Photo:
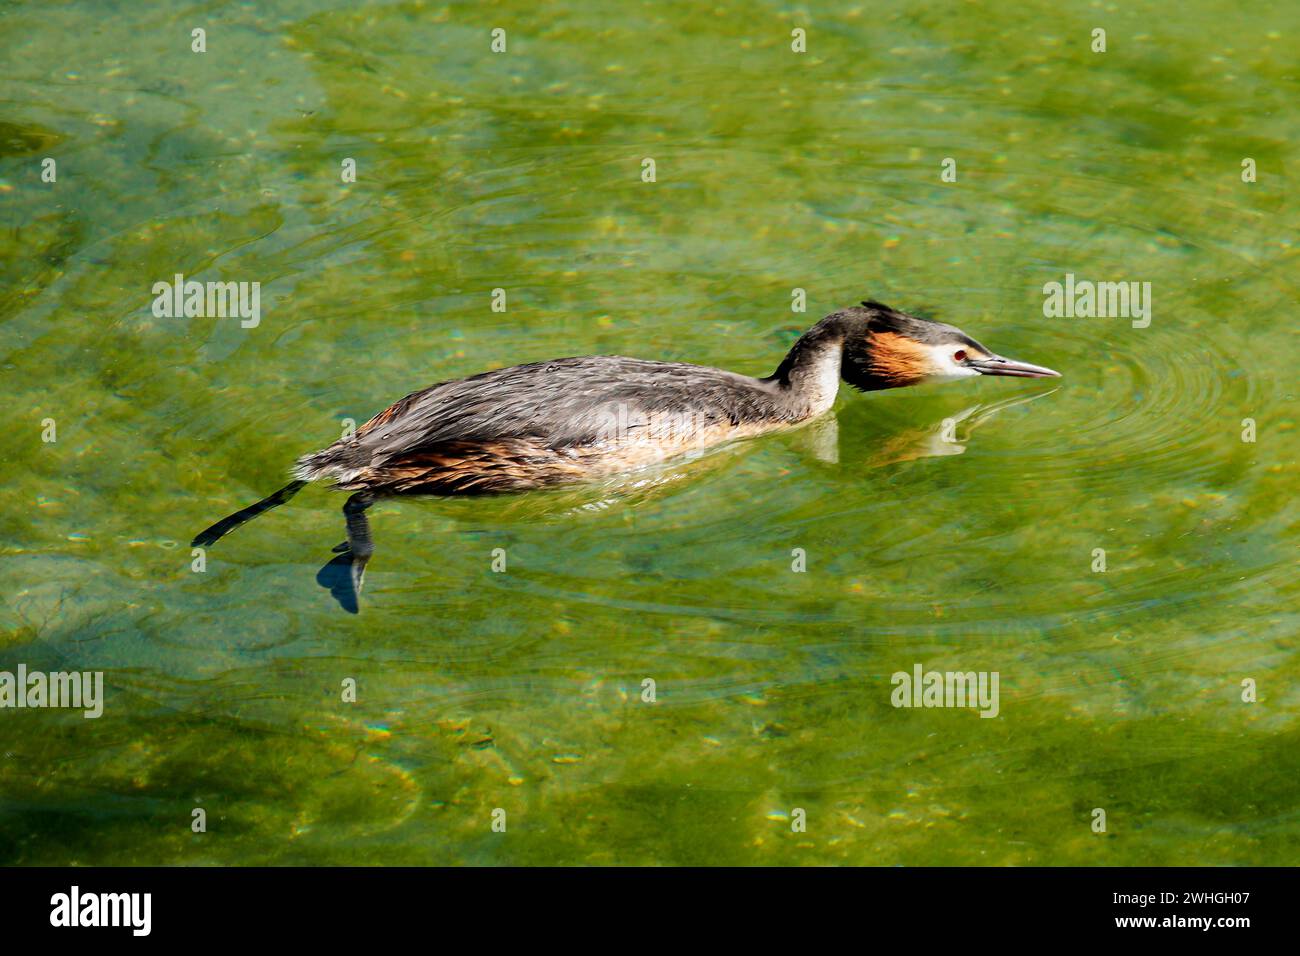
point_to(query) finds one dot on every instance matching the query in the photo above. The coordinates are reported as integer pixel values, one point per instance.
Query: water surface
(521, 690)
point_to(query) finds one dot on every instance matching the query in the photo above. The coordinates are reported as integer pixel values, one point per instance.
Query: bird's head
(885, 348)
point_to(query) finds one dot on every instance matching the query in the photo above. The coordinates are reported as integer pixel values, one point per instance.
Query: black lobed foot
(345, 575)
(337, 577)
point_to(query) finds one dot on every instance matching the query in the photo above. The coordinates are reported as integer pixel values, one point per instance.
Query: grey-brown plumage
(573, 419)
(545, 422)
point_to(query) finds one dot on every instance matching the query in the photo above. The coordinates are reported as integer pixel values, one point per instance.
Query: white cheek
(946, 368)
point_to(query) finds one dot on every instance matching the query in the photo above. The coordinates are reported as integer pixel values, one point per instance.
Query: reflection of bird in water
(949, 437)
(577, 419)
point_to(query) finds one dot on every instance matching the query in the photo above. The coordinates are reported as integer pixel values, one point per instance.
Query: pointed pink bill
(997, 365)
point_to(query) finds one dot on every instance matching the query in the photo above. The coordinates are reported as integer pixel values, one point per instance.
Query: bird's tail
(228, 524)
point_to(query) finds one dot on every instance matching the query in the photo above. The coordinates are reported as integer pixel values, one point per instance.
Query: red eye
(959, 356)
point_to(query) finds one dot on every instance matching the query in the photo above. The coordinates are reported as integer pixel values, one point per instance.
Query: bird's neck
(809, 377)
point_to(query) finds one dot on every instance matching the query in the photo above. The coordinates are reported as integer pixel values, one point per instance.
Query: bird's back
(544, 422)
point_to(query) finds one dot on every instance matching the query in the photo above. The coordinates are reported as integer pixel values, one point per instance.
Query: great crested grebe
(575, 419)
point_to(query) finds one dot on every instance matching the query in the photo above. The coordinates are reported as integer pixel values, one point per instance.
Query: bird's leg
(359, 541)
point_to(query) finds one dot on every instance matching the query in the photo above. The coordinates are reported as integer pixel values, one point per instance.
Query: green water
(522, 690)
